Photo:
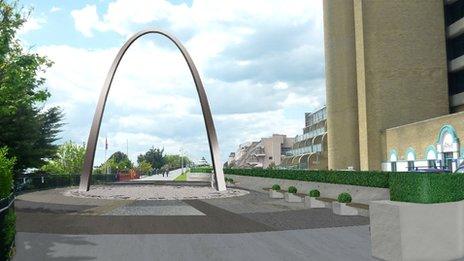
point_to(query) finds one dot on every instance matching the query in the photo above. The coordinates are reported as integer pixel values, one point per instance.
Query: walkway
(251, 227)
(173, 174)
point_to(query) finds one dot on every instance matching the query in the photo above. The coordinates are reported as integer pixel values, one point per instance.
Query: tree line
(151, 161)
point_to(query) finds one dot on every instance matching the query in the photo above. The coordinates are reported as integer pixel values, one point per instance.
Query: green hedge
(358, 178)
(36, 182)
(426, 187)
(7, 217)
(417, 187)
(201, 170)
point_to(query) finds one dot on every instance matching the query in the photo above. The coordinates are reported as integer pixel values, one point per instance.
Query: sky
(261, 63)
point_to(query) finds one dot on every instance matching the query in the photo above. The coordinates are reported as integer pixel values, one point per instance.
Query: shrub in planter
(292, 189)
(344, 198)
(275, 187)
(314, 193)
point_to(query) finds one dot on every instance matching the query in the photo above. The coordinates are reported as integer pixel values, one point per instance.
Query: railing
(33, 182)
(7, 225)
(310, 134)
(308, 149)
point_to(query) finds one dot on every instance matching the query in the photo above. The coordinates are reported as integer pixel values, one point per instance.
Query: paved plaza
(52, 226)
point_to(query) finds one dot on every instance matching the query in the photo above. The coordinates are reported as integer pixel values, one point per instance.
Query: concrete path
(344, 243)
(250, 227)
(173, 174)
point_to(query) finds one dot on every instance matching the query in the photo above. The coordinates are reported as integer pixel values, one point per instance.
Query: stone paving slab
(156, 208)
(215, 220)
(307, 218)
(155, 211)
(255, 202)
(333, 244)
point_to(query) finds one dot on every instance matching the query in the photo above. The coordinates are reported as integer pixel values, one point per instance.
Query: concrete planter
(410, 231)
(292, 198)
(312, 202)
(343, 209)
(276, 194)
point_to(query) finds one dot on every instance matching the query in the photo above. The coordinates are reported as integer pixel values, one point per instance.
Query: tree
(25, 127)
(175, 161)
(69, 159)
(6, 177)
(154, 157)
(144, 168)
(117, 161)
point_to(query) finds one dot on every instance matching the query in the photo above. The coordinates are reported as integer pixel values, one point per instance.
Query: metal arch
(293, 159)
(302, 156)
(322, 140)
(95, 130)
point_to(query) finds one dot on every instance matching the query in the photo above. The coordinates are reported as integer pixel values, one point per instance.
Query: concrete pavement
(250, 227)
(334, 244)
(173, 174)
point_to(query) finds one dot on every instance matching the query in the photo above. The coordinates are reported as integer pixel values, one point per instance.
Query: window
(410, 165)
(393, 166)
(448, 156)
(432, 164)
(270, 158)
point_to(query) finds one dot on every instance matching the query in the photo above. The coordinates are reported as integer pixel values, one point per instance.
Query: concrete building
(395, 83)
(310, 149)
(261, 154)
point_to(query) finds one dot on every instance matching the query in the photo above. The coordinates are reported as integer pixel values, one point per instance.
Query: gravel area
(150, 192)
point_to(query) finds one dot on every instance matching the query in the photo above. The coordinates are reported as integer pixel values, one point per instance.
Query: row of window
(431, 164)
(454, 12)
(308, 149)
(315, 117)
(455, 46)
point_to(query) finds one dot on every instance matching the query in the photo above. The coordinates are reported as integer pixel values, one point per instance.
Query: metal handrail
(10, 199)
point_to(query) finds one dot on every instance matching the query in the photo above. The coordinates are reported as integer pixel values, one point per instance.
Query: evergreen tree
(153, 156)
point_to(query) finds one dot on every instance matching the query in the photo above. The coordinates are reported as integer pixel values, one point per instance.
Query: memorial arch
(95, 129)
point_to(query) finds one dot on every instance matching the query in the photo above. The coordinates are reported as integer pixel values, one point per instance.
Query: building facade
(310, 148)
(261, 154)
(395, 83)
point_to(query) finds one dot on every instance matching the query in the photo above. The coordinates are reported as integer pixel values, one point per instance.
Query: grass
(182, 177)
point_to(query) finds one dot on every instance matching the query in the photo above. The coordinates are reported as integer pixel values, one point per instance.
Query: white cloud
(295, 100)
(280, 85)
(86, 19)
(55, 9)
(32, 24)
